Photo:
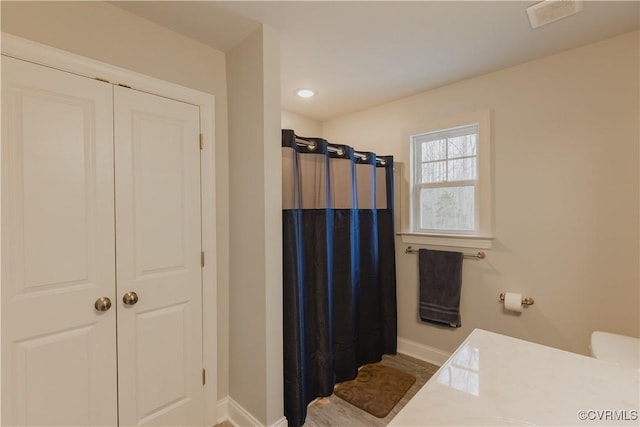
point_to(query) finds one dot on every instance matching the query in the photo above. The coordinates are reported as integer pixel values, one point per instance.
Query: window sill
(451, 240)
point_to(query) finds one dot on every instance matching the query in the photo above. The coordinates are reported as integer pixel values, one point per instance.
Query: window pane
(434, 150)
(448, 208)
(433, 172)
(462, 169)
(462, 146)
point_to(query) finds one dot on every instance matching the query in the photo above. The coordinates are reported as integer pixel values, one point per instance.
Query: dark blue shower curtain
(339, 285)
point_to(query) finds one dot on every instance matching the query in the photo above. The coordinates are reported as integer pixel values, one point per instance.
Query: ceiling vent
(551, 10)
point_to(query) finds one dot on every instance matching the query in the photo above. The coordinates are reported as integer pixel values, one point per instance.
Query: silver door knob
(130, 298)
(102, 304)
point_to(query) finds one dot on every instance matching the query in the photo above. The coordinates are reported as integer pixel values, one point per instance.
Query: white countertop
(492, 379)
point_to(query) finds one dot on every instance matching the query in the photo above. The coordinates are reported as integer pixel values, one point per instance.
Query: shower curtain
(339, 284)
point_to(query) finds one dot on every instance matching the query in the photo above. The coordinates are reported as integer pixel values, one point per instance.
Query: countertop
(493, 379)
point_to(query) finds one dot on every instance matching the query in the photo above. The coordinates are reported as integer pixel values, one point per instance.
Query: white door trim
(28, 50)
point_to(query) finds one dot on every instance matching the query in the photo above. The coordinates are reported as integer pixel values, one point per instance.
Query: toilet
(620, 349)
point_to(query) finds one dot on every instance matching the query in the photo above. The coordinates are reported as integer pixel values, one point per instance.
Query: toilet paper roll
(513, 302)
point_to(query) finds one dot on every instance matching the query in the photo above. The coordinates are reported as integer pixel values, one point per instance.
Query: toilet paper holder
(525, 300)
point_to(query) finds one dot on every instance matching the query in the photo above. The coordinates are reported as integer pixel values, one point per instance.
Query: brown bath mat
(376, 389)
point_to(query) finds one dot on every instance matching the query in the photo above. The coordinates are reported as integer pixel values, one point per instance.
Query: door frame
(28, 50)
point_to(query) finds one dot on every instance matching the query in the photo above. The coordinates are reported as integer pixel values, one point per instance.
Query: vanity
(493, 379)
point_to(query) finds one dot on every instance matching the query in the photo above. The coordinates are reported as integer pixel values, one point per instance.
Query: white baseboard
(223, 409)
(232, 411)
(240, 416)
(282, 422)
(422, 351)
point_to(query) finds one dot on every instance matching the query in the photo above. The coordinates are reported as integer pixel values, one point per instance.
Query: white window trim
(483, 237)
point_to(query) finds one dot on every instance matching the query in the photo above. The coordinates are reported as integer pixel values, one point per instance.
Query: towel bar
(479, 255)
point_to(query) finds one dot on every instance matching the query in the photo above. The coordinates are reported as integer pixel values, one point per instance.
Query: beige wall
(272, 187)
(303, 126)
(255, 298)
(106, 33)
(565, 164)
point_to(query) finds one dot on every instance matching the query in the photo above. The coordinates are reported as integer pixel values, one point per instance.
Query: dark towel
(440, 286)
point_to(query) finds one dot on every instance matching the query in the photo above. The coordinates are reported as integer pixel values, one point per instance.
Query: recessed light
(305, 93)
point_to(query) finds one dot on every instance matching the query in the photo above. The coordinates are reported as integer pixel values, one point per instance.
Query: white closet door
(157, 163)
(58, 352)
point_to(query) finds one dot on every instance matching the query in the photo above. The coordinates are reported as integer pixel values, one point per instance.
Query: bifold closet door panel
(58, 352)
(157, 164)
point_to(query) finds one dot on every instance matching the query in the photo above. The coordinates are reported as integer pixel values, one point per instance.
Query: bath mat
(376, 389)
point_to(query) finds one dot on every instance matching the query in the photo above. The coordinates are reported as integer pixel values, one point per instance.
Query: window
(445, 174)
(450, 182)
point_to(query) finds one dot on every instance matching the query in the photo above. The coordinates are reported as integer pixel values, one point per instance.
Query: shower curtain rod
(339, 151)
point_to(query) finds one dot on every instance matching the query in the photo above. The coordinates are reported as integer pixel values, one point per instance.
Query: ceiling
(358, 54)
